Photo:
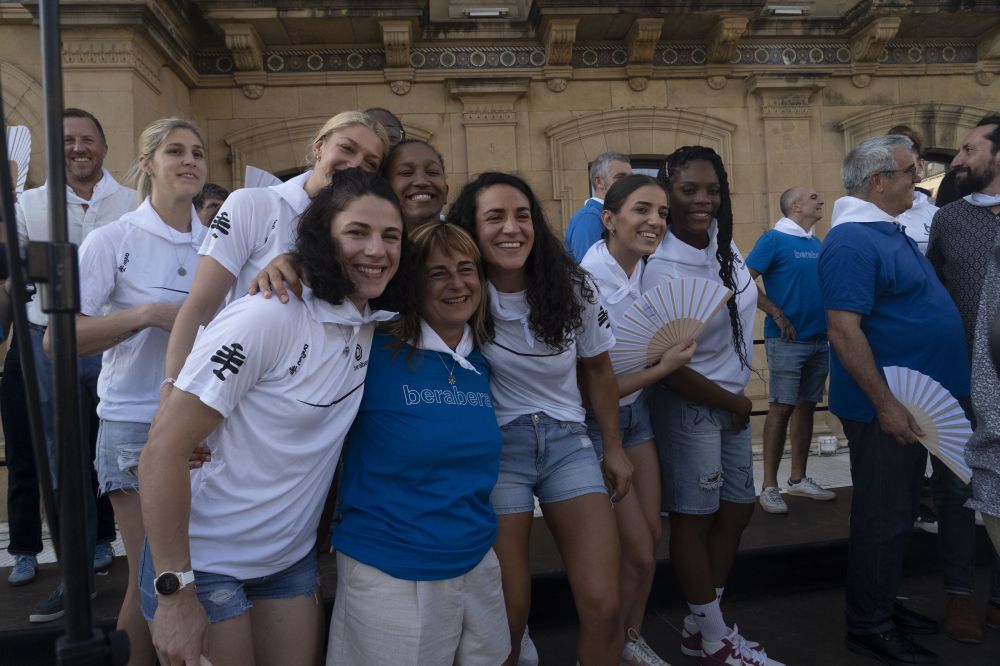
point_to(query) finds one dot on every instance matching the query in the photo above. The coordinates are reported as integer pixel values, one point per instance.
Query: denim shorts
(797, 369)
(703, 460)
(224, 597)
(554, 460)
(119, 444)
(634, 425)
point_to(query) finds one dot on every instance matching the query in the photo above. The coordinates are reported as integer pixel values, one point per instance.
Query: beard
(968, 181)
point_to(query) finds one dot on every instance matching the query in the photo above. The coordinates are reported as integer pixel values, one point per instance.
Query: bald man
(787, 257)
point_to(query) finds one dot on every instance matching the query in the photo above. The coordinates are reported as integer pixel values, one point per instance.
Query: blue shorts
(797, 369)
(702, 459)
(634, 425)
(224, 597)
(119, 444)
(554, 460)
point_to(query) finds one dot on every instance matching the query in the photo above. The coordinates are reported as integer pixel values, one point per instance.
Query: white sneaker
(771, 500)
(734, 650)
(529, 654)
(636, 652)
(691, 638)
(809, 488)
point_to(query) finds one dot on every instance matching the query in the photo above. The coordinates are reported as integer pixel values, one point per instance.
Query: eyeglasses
(912, 170)
(396, 134)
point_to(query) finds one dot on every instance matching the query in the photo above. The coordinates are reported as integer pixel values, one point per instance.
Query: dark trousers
(23, 509)
(887, 478)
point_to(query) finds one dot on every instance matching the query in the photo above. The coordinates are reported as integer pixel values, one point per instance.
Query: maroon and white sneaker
(733, 650)
(691, 638)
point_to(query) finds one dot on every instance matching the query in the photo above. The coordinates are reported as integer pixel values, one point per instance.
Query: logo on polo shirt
(359, 354)
(220, 224)
(295, 368)
(602, 318)
(121, 269)
(231, 358)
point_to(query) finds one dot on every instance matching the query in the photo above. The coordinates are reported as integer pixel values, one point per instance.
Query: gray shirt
(960, 249)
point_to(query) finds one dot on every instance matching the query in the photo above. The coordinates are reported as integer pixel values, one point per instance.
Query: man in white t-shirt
(93, 198)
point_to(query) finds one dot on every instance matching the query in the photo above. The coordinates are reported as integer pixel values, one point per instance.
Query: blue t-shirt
(422, 458)
(584, 229)
(788, 265)
(875, 270)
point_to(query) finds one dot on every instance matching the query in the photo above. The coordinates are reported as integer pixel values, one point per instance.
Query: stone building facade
(780, 88)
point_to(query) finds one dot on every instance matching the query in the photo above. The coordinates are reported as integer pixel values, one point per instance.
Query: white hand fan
(254, 177)
(19, 152)
(938, 414)
(664, 316)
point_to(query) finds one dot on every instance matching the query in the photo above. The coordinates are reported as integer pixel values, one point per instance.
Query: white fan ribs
(946, 430)
(664, 316)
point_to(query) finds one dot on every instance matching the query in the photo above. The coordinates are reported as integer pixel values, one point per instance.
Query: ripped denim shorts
(119, 444)
(224, 597)
(703, 459)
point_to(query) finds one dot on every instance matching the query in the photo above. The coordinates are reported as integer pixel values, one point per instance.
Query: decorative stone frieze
(79, 53)
(869, 42)
(723, 38)
(247, 51)
(642, 39)
(988, 56)
(785, 96)
(489, 118)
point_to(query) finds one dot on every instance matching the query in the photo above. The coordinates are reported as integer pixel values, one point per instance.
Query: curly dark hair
(679, 159)
(555, 283)
(315, 246)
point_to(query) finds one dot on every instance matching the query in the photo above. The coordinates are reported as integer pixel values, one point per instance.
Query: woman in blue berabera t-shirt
(414, 547)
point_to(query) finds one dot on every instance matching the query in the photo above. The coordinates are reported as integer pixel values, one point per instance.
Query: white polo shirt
(714, 357)
(128, 263)
(288, 380)
(253, 226)
(528, 375)
(109, 201)
(618, 291)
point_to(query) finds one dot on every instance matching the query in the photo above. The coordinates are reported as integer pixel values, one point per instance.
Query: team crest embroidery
(231, 358)
(602, 318)
(121, 268)
(220, 225)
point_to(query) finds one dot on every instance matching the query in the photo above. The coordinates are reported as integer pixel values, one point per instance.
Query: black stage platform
(786, 591)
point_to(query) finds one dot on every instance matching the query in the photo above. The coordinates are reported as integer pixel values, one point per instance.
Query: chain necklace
(451, 373)
(180, 264)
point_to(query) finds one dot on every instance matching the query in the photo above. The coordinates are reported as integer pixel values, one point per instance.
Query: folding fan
(667, 314)
(938, 414)
(254, 177)
(19, 152)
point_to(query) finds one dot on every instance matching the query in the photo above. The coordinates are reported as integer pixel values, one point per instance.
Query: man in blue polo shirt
(885, 307)
(795, 340)
(585, 227)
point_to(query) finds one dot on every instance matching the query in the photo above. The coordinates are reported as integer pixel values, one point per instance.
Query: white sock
(709, 619)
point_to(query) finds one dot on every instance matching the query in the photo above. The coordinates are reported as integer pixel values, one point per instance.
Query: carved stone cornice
(559, 38)
(488, 102)
(642, 39)
(245, 44)
(723, 38)
(397, 36)
(81, 52)
(785, 97)
(869, 42)
(988, 53)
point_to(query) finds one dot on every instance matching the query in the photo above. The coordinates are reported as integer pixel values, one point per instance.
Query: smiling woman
(416, 171)
(424, 450)
(272, 389)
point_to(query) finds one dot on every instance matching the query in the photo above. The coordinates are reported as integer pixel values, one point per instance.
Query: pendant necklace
(180, 264)
(451, 373)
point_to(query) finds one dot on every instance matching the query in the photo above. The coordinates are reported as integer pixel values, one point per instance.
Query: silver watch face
(167, 583)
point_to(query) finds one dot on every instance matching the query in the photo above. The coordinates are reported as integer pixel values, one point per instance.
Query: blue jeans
(957, 529)
(886, 479)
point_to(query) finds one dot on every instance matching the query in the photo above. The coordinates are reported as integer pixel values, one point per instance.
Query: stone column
(490, 120)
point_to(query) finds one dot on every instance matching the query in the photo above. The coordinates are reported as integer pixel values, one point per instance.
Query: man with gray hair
(885, 307)
(585, 226)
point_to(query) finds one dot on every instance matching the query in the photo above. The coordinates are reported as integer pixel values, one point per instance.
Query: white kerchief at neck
(104, 188)
(983, 200)
(790, 227)
(508, 313)
(611, 276)
(431, 341)
(853, 209)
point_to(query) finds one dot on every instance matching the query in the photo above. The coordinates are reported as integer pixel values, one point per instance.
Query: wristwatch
(169, 582)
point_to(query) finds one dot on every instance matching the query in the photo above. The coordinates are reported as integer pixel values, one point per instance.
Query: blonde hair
(343, 120)
(149, 142)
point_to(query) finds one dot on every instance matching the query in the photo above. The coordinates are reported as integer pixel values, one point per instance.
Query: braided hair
(676, 161)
